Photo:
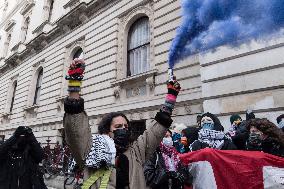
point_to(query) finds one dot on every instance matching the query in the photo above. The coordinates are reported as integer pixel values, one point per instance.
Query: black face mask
(121, 138)
(20, 144)
(255, 141)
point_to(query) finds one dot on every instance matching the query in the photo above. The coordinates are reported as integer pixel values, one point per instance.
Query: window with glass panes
(79, 54)
(138, 48)
(13, 96)
(38, 87)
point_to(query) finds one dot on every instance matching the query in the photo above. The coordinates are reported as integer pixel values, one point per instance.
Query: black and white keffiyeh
(215, 139)
(102, 152)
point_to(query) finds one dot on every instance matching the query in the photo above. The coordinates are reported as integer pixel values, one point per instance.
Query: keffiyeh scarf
(102, 152)
(215, 139)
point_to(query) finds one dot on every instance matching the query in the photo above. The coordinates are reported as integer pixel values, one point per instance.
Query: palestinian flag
(234, 169)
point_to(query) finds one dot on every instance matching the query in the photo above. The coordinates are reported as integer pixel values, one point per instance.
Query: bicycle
(56, 161)
(74, 175)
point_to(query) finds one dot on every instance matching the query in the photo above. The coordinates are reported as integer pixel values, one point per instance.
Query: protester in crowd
(164, 169)
(128, 172)
(265, 136)
(178, 138)
(238, 131)
(198, 120)
(19, 159)
(191, 134)
(211, 135)
(280, 122)
(249, 115)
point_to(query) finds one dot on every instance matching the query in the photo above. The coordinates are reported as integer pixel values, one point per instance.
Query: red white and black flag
(234, 169)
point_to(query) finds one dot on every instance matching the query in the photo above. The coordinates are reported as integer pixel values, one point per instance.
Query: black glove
(21, 130)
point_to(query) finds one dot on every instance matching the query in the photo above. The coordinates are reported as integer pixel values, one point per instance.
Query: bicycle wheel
(69, 180)
(46, 168)
(51, 167)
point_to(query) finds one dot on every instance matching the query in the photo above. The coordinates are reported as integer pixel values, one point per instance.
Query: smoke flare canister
(171, 74)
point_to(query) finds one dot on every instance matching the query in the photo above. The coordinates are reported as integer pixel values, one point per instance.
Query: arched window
(38, 87)
(13, 96)
(25, 29)
(79, 54)
(138, 48)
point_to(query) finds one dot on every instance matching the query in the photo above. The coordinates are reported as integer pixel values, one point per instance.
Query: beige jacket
(137, 153)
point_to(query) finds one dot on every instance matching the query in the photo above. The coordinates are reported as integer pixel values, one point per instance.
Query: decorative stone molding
(133, 86)
(77, 16)
(125, 22)
(16, 47)
(116, 92)
(187, 109)
(39, 29)
(5, 5)
(151, 82)
(83, 17)
(142, 76)
(27, 7)
(9, 25)
(30, 111)
(74, 18)
(60, 103)
(71, 4)
(13, 61)
(36, 44)
(6, 116)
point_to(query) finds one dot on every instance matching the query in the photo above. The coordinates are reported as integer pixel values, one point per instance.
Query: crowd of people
(110, 160)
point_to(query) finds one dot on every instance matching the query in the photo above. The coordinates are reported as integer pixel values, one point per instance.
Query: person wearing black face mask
(265, 136)
(19, 158)
(127, 170)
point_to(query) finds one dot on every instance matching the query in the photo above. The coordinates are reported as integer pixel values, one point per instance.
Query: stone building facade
(125, 45)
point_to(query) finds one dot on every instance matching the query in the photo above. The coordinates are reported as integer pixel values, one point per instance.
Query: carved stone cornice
(27, 7)
(13, 61)
(12, 12)
(76, 16)
(38, 43)
(40, 28)
(71, 4)
(9, 25)
(142, 76)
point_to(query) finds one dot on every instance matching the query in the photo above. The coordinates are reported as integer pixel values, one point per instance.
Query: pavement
(55, 182)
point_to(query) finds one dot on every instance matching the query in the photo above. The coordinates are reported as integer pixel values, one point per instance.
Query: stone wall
(223, 82)
(101, 36)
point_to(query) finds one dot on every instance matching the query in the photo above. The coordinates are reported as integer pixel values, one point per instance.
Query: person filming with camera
(19, 159)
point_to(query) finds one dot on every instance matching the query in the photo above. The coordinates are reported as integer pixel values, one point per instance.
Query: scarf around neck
(170, 157)
(215, 139)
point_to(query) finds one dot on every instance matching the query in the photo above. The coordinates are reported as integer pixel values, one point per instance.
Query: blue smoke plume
(207, 24)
